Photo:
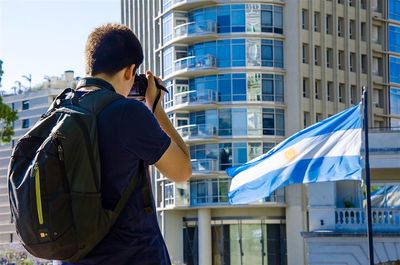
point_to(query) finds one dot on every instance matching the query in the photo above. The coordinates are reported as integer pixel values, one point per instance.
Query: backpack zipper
(38, 194)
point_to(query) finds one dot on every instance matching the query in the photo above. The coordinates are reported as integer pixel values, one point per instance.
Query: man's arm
(175, 162)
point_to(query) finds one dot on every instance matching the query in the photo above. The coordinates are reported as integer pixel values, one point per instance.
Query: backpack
(54, 178)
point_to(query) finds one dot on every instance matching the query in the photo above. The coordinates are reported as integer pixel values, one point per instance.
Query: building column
(204, 217)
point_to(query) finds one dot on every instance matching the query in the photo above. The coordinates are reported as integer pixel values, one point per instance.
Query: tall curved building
(242, 76)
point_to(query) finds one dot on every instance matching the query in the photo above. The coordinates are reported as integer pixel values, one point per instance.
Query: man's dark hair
(110, 48)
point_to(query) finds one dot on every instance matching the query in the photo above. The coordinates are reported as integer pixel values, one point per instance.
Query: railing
(199, 130)
(204, 165)
(196, 62)
(355, 218)
(194, 96)
(195, 28)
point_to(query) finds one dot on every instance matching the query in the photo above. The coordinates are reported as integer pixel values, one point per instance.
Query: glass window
(239, 122)
(167, 28)
(224, 88)
(253, 52)
(278, 54)
(254, 87)
(223, 19)
(224, 53)
(239, 87)
(394, 9)
(267, 88)
(167, 61)
(25, 104)
(278, 19)
(394, 38)
(266, 19)
(254, 121)
(238, 53)
(253, 18)
(239, 154)
(280, 122)
(25, 123)
(395, 101)
(225, 122)
(254, 150)
(225, 156)
(394, 69)
(279, 93)
(267, 54)
(268, 122)
(238, 18)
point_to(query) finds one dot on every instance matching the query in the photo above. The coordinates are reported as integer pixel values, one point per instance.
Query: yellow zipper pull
(38, 194)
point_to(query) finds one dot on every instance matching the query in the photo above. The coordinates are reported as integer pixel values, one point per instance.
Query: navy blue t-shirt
(128, 132)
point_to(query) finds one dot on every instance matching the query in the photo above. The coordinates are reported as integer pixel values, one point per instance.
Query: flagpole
(368, 180)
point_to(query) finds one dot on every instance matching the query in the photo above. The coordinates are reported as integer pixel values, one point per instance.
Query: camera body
(139, 88)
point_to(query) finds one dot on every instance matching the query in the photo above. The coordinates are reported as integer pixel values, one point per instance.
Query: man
(129, 133)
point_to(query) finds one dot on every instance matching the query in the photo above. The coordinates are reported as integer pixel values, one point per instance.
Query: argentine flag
(326, 151)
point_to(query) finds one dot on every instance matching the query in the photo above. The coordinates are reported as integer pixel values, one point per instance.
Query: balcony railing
(195, 28)
(193, 96)
(204, 165)
(197, 130)
(196, 62)
(355, 219)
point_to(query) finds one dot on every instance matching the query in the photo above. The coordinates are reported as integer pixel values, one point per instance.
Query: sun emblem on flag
(290, 154)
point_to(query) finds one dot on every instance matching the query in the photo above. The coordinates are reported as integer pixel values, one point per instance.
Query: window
(272, 87)
(317, 55)
(394, 9)
(304, 18)
(341, 60)
(394, 38)
(317, 22)
(329, 24)
(238, 52)
(340, 27)
(363, 29)
(342, 93)
(377, 66)
(376, 34)
(167, 62)
(318, 117)
(352, 29)
(318, 92)
(25, 123)
(353, 94)
(306, 119)
(225, 156)
(364, 64)
(25, 104)
(167, 28)
(238, 18)
(340, 2)
(377, 99)
(329, 57)
(225, 122)
(239, 122)
(352, 62)
(305, 53)
(363, 4)
(352, 3)
(376, 5)
(271, 53)
(329, 90)
(273, 122)
(394, 69)
(306, 87)
(238, 87)
(271, 19)
(224, 19)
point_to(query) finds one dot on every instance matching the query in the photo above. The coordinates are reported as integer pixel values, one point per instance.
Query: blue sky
(47, 37)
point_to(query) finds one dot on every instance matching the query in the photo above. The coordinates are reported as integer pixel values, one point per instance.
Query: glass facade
(240, 242)
(394, 61)
(241, 18)
(241, 52)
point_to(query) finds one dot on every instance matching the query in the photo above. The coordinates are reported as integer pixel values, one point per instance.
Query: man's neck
(110, 80)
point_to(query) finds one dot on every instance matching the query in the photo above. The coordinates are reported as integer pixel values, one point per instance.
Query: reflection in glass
(253, 18)
(253, 52)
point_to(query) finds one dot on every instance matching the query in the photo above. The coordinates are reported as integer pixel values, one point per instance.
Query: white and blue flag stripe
(326, 151)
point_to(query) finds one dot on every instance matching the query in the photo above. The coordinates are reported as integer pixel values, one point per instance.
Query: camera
(140, 86)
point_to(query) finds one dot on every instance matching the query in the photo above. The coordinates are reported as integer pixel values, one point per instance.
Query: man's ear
(128, 73)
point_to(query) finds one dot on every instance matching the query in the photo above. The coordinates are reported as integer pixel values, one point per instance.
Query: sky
(47, 37)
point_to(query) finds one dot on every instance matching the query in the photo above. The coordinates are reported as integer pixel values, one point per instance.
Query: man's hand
(152, 91)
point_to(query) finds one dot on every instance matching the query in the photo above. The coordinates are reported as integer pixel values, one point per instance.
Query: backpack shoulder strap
(96, 100)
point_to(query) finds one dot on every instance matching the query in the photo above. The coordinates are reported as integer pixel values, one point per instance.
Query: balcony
(195, 131)
(186, 5)
(205, 166)
(195, 31)
(194, 66)
(191, 100)
(354, 219)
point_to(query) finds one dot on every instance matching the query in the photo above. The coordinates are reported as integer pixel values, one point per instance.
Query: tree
(7, 117)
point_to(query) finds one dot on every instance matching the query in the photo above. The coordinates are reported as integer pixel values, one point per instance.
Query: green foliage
(7, 117)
